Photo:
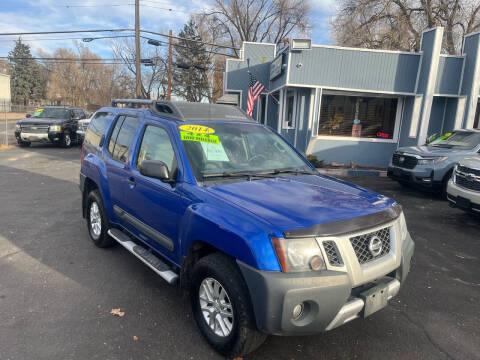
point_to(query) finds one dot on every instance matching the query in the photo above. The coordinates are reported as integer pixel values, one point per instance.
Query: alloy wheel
(216, 307)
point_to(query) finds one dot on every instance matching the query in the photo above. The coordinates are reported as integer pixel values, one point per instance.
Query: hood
(40, 121)
(471, 162)
(295, 202)
(426, 151)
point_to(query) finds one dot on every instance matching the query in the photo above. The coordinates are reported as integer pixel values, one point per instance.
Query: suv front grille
(404, 161)
(464, 178)
(333, 254)
(82, 127)
(466, 170)
(361, 244)
(40, 129)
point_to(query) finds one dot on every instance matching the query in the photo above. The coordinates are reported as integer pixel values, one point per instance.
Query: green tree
(28, 79)
(191, 79)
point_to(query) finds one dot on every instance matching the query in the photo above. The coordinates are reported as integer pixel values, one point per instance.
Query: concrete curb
(352, 172)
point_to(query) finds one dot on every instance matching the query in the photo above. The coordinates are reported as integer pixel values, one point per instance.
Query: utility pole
(169, 89)
(137, 50)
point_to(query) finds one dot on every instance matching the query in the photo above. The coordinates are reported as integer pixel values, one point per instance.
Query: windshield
(459, 139)
(237, 148)
(51, 113)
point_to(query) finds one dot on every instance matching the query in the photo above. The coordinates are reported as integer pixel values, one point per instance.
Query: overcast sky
(57, 15)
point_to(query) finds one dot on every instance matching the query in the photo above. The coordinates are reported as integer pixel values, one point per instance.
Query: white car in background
(82, 128)
(463, 189)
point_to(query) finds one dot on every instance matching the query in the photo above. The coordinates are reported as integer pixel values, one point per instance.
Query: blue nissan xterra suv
(231, 212)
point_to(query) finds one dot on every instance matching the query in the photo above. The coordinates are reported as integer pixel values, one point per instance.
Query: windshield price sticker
(37, 112)
(203, 138)
(197, 129)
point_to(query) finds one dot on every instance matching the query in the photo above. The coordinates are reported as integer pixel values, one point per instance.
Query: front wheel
(23, 143)
(221, 306)
(66, 140)
(97, 221)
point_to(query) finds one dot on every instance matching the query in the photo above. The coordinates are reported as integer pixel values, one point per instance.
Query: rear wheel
(221, 306)
(97, 221)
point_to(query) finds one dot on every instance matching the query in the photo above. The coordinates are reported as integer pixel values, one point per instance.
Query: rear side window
(98, 126)
(121, 137)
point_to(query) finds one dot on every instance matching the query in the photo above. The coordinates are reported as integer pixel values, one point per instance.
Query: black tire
(244, 336)
(66, 140)
(443, 189)
(100, 239)
(24, 143)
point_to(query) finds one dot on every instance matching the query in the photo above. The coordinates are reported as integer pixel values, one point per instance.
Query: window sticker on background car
(214, 152)
(37, 112)
(198, 129)
(203, 138)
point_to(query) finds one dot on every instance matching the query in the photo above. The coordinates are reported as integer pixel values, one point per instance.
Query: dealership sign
(276, 67)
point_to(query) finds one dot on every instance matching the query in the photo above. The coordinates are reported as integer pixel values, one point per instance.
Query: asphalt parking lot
(57, 289)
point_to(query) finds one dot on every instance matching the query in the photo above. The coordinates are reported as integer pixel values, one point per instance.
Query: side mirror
(28, 115)
(156, 169)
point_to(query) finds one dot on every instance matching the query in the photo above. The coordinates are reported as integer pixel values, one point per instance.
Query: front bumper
(81, 134)
(462, 198)
(329, 298)
(37, 137)
(423, 177)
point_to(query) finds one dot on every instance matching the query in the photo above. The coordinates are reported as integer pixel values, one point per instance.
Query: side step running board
(149, 259)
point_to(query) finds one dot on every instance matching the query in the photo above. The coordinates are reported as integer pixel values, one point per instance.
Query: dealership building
(351, 104)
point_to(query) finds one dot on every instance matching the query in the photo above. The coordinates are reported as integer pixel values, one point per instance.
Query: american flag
(255, 88)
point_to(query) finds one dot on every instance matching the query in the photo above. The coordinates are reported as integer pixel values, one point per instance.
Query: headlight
(440, 159)
(425, 161)
(18, 127)
(403, 227)
(297, 255)
(430, 161)
(55, 128)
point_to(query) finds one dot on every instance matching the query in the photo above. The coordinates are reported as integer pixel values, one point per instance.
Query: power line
(69, 38)
(194, 40)
(117, 30)
(98, 5)
(64, 32)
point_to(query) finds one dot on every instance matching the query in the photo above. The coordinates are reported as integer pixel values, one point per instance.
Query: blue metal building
(352, 104)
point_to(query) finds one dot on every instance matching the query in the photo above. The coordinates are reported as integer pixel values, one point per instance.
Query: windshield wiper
(447, 146)
(238, 174)
(293, 171)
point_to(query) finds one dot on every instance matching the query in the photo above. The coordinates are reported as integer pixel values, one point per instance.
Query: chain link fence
(9, 115)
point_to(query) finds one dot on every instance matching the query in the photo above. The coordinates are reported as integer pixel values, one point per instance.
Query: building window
(289, 119)
(357, 116)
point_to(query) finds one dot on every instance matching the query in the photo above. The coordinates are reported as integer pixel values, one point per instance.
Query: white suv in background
(82, 128)
(463, 189)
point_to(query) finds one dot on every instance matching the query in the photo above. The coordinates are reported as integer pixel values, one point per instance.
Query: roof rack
(184, 111)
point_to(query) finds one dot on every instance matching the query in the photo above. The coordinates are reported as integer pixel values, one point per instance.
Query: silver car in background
(82, 128)
(431, 166)
(463, 189)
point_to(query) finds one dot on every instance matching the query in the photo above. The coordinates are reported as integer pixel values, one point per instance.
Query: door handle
(131, 182)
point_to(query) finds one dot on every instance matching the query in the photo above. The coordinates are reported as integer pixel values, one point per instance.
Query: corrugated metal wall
(354, 69)
(260, 56)
(449, 75)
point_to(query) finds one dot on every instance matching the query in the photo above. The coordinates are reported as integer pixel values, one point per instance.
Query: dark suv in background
(54, 124)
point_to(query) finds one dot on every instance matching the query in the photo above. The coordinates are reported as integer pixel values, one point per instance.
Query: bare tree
(258, 20)
(154, 75)
(398, 24)
(75, 82)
